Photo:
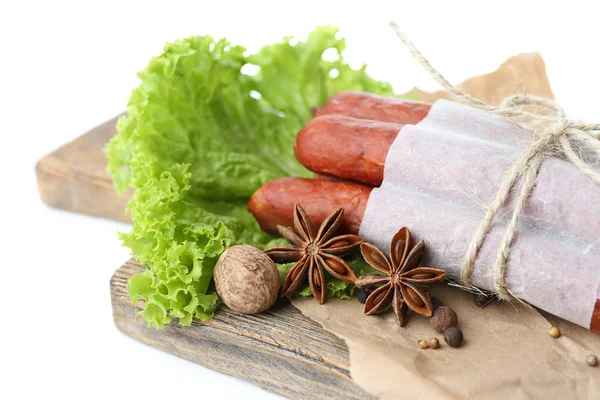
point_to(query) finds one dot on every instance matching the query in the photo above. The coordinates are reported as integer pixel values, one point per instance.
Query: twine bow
(553, 135)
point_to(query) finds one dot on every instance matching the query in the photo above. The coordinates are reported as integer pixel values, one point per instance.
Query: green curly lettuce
(206, 127)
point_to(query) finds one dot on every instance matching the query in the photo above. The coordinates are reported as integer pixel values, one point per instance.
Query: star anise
(314, 253)
(400, 285)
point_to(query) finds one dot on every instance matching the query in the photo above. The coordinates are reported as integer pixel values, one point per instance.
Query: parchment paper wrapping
(462, 154)
(507, 352)
(437, 176)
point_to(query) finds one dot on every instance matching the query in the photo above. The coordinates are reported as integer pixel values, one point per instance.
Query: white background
(65, 68)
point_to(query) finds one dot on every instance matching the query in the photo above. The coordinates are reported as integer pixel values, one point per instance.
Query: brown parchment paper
(523, 73)
(507, 352)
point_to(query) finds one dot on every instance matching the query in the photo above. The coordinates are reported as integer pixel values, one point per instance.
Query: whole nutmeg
(453, 336)
(443, 318)
(423, 344)
(247, 280)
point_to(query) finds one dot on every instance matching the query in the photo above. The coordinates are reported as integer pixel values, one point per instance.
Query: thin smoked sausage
(273, 204)
(371, 106)
(346, 148)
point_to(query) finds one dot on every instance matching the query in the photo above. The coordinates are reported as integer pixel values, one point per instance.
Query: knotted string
(553, 135)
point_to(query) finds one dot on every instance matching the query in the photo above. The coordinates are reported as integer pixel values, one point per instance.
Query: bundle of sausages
(347, 145)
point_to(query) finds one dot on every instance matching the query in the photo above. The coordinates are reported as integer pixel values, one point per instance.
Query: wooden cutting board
(280, 350)
(75, 178)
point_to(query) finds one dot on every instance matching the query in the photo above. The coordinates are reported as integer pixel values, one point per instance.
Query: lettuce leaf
(206, 127)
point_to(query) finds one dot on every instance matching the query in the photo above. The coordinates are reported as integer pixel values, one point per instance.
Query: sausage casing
(346, 148)
(371, 106)
(273, 203)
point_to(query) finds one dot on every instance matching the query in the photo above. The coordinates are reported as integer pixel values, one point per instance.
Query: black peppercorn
(435, 302)
(362, 295)
(453, 336)
(481, 300)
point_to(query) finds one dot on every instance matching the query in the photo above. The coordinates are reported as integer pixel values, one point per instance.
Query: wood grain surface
(280, 350)
(75, 178)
